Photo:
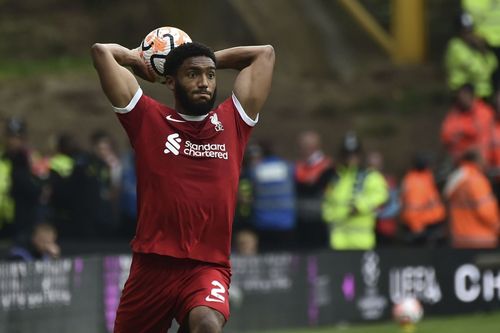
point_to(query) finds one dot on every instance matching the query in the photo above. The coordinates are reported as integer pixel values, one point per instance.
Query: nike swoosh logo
(210, 299)
(169, 117)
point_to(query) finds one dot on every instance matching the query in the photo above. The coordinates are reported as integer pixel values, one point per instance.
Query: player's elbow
(268, 52)
(97, 51)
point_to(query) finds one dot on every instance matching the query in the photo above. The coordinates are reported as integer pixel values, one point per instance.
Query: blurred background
(331, 73)
(382, 131)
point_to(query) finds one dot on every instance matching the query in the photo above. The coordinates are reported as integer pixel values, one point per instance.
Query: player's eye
(211, 75)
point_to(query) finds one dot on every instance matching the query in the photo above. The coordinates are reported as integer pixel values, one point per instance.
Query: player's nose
(203, 81)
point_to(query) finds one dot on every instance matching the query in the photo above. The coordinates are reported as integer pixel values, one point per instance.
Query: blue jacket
(274, 195)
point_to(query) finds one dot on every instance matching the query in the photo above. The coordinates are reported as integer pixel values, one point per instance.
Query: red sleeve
(244, 124)
(131, 117)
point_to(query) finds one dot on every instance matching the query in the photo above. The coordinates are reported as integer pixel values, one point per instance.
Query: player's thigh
(206, 288)
(146, 303)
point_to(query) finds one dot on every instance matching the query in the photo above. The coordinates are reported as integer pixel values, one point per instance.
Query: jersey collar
(193, 118)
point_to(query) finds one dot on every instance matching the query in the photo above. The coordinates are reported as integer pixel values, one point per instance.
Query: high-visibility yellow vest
(350, 208)
(486, 18)
(465, 64)
(62, 164)
(7, 204)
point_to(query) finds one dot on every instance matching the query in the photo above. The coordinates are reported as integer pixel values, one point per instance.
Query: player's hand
(140, 69)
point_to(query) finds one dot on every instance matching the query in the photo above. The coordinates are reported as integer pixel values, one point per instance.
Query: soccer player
(188, 161)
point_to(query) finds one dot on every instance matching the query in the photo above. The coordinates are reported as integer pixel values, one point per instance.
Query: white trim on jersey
(131, 105)
(192, 118)
(249, 121)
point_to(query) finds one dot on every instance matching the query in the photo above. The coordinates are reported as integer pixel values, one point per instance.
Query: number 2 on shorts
(216, 293)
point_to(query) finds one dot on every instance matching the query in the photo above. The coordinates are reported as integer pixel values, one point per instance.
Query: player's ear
(170, 82)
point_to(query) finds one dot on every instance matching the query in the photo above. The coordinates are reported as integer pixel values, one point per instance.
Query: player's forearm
(122, 55)
(242, 56)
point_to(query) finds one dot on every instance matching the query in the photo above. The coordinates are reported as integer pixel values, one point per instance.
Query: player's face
(195, 85)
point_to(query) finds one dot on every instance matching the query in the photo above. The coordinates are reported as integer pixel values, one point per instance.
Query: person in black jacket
(25, 187)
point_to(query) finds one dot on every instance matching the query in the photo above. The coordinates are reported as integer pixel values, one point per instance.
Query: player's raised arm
(253, 83)
(117, 82)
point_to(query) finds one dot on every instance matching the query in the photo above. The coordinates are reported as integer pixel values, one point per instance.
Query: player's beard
(187, 104)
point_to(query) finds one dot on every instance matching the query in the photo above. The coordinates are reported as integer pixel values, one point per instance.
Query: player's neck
(192, 118)
(187, 114)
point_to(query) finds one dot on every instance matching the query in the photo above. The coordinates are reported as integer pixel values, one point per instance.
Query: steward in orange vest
(494, 148)
(467, 125)
(422, 208)
(474, 219)
(313, 172)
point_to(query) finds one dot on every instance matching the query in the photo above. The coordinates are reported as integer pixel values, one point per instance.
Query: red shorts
(161, 288)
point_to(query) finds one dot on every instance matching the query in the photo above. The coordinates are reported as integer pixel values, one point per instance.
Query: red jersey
(187, 177)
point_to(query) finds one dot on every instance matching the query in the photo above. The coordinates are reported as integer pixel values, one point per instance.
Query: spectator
(100, 190)
(41, 246)
(244, 202)
(66, 188)
(246, 242)
(469, 60)
(386, 228)
(313, 171)
(486, 17)
(352, 201)
(128, 196)
(273, 215)
(494, 148)
(467, 125)
(474, 220)
(105, 149)
(423, 212)
(20, 189)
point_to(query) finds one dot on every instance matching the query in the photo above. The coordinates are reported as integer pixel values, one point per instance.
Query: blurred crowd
(72, 193)
(348, 201)
(342, 200)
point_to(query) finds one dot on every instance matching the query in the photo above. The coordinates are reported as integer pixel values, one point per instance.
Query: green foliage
(29, 68)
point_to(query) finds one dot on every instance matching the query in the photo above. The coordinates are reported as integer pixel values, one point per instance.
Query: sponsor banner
(268, 291)
(51, 296)
(273, 291)
(174, 145)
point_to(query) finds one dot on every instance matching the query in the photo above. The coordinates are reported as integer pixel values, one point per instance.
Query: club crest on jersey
(215, 120)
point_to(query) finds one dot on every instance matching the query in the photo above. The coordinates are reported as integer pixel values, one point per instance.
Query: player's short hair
(182, 52)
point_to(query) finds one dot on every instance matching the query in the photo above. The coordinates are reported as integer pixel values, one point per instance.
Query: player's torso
(198, 160)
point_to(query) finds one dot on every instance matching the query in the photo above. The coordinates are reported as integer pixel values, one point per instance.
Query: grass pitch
(477, 323)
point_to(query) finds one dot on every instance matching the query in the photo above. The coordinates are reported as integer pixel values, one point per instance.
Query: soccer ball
(408, 311)
(157, 44)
